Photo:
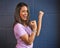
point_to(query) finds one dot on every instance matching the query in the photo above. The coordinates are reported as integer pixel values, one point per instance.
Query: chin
(25, 19)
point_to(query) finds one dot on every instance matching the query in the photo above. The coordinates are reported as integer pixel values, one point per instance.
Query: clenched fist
(41, 13)
(33, 24)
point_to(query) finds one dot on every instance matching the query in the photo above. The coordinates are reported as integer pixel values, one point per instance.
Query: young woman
(24, 29)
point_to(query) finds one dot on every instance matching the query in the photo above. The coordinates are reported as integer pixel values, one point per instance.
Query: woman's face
(24, 13)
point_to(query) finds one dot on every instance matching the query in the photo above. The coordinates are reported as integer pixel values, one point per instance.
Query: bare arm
(28, 39)
(39, 22)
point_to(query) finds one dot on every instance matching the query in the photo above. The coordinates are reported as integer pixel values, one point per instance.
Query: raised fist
(33, 24)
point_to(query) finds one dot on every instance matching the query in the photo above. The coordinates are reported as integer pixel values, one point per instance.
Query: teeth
(25, 16)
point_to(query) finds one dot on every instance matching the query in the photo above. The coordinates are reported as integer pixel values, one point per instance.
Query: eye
(23, 11)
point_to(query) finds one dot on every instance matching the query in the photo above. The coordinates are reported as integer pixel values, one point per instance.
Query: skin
(28, 39)
(24, 13)
(41, 13)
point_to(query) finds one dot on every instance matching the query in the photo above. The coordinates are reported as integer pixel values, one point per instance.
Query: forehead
(24, 8)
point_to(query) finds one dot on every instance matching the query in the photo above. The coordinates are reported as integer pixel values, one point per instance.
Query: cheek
(21, 14)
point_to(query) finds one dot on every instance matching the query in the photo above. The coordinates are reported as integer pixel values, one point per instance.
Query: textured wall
(49, 37)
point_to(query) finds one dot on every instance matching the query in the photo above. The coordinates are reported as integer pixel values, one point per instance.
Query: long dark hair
(17, 18)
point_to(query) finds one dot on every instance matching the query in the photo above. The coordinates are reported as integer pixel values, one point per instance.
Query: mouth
(25, 17)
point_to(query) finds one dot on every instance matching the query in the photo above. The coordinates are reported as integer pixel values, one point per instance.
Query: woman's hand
(33, 25)
(41, 13)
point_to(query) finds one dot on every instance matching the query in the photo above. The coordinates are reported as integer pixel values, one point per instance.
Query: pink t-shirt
(20, 30)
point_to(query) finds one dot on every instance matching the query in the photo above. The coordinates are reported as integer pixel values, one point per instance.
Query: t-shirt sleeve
(19, 30)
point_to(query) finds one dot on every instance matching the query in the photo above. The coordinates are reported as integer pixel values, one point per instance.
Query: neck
(25, 24)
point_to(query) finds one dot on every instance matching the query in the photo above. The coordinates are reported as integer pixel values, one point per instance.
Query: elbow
(37, 34)
(29, 43)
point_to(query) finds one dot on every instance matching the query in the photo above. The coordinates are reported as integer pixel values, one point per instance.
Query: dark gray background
(50, 32)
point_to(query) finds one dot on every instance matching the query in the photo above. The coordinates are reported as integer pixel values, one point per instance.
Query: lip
(25, 16)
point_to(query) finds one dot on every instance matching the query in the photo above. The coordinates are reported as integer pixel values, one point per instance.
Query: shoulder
(18, 25)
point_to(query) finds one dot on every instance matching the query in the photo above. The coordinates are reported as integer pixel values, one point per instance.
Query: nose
(25, 13)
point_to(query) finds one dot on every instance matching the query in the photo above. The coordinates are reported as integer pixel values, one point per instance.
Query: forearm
(28, 39)
(39, 25)
(31, 38)
(39, 22)
(33, 34)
